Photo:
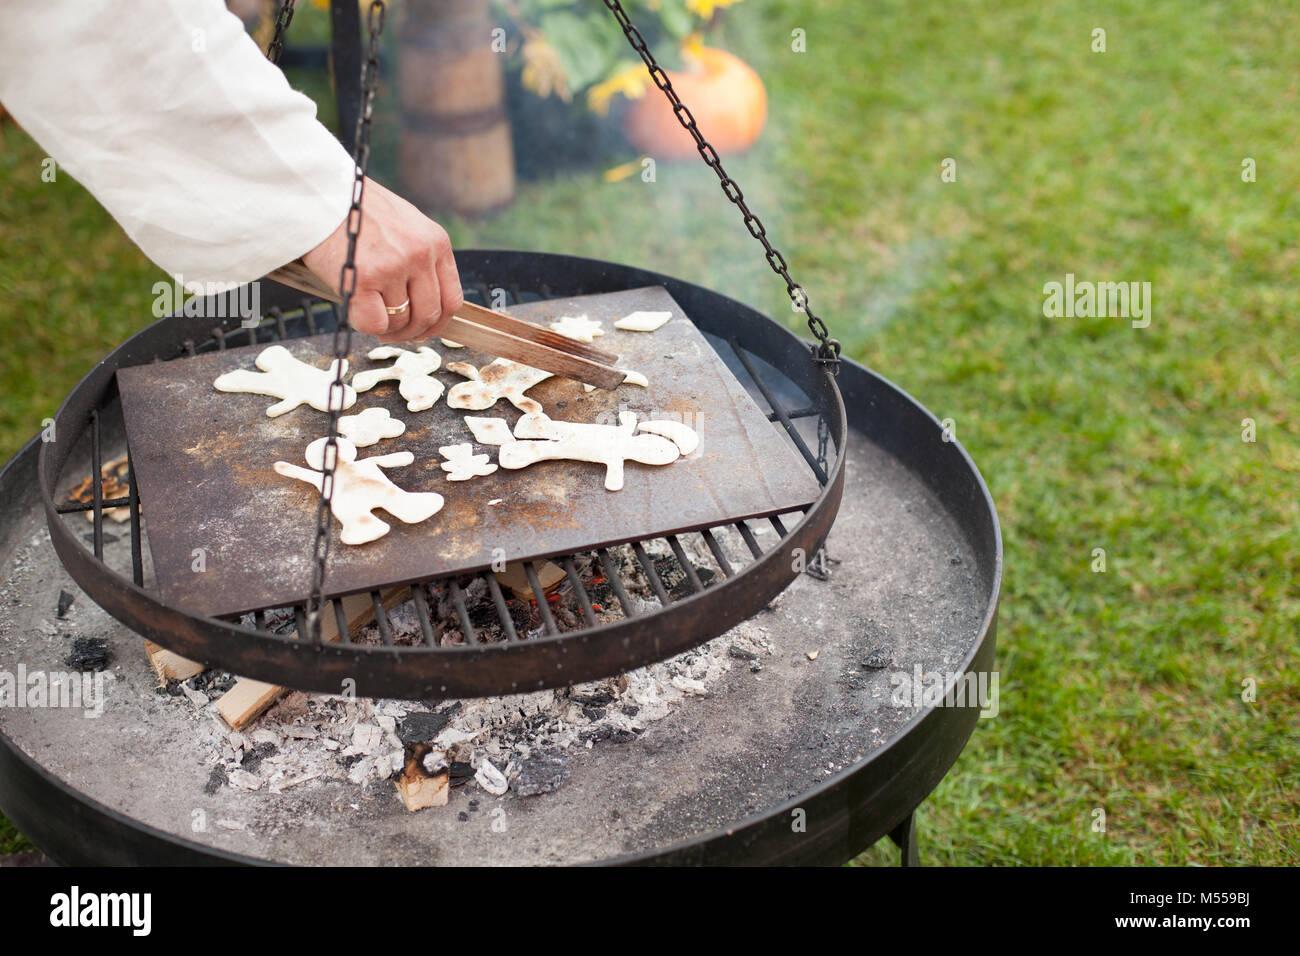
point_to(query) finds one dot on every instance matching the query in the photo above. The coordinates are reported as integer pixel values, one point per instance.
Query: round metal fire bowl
(722, 780)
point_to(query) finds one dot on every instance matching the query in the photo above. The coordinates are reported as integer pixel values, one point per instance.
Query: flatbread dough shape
(287, 378)
(360, 487)
(679, 433)
(370, 426)
(643, 321)
(609, 445)
(413, 371)
(501, 378)
(578, 327)
(462, 464)
(489, 431)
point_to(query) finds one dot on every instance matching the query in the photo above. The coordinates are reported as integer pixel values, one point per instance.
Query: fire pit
(800, 735)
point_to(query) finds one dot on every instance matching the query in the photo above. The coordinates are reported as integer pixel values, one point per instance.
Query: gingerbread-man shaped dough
(360, 487)
(501, 378)
(609, 445)
(413, 371)
(287, 378)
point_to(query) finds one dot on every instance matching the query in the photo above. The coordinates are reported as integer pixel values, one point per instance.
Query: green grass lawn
(1121, 691)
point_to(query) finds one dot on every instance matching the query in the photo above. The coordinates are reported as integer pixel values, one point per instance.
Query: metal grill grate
(632, 573)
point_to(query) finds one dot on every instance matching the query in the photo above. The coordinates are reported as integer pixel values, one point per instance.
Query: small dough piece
(643, 321)
(499, 379)
(537, 425)
(413, 371)
(360, 487)
(285, 377)
(462, 464)
(489, 431)
(679, 433)
(368, 427)
(448, 343)
(578, 327)
(608, 445)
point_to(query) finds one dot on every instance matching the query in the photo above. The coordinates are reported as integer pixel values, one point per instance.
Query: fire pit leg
(905, 836)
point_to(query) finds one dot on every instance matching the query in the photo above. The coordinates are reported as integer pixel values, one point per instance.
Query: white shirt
(170, 115)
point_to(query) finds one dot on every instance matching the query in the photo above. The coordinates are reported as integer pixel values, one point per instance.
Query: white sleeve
(170, 115)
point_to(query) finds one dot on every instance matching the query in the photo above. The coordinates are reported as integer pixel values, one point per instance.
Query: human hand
(402, 255)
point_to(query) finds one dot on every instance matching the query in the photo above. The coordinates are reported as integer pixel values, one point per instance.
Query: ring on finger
(399, 309)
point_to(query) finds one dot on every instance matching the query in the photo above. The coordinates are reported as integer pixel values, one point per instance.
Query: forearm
(173, 119)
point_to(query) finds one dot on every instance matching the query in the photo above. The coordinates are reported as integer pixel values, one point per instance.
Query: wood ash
(520, 743)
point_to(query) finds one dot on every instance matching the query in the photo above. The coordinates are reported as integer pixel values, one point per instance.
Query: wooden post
(456, 153)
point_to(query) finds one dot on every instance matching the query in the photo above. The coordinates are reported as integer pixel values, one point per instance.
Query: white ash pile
(520, 743)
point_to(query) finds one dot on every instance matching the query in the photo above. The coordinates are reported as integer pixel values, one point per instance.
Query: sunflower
(704, 8)
(632, 81)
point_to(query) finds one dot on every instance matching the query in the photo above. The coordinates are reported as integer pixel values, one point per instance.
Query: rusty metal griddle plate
(203, 460)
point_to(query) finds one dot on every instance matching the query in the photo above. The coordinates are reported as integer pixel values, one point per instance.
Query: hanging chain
(819, 566)
(342, 341)
(282, 19)
(827, 351)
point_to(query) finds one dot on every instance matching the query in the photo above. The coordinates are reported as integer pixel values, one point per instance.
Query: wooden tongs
(496, 334)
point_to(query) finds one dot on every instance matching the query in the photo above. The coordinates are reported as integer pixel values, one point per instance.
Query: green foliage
(587, 48)
(586, 39)
(11, 841)
(1121, 690)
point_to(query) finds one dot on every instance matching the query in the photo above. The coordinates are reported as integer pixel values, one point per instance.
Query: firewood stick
(169, 665)
(416, 786)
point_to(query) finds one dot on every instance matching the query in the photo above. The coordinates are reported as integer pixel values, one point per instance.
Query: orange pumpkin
(723, 93)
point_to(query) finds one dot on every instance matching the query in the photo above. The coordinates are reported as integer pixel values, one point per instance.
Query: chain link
(282, 19)
(827, 351)
(821, 560)
(342, 340)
